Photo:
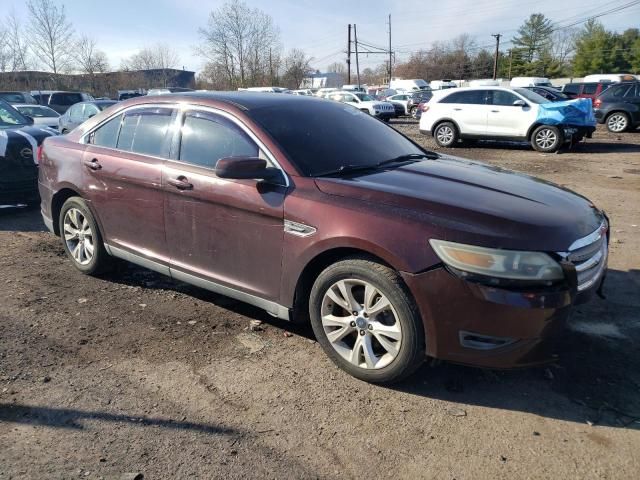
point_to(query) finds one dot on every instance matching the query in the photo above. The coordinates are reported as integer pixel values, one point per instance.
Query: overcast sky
(121, 27)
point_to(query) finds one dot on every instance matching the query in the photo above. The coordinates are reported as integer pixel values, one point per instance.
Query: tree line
(538, 49)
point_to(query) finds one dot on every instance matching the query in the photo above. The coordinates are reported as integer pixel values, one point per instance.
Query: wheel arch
(440, 121)
(57, 201)
(315, 266)
(532, 129)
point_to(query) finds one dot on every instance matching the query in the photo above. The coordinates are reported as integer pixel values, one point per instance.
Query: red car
(315, 211)
(585, 90)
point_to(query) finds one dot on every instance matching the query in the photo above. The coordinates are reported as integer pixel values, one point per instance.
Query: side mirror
(30, 120)
(245, 168)
(519, 103)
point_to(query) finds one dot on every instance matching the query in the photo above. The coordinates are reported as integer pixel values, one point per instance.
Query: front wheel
(546, 139)
(81, 237)
(366, 321)
(413, 112)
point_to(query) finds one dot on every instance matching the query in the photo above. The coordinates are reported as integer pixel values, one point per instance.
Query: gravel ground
(132, 373)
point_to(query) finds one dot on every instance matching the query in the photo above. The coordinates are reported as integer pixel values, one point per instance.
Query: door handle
(457, 109)
(495, 111)
(92, 164)
(181, 183)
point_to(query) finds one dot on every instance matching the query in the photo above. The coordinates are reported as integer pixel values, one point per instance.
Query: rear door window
(571, 88)
(502, 98)
(75, 112)
(207, 137)
(107, 134)
(145, 131)
(65, 98)
(618, 92)
(470, 97)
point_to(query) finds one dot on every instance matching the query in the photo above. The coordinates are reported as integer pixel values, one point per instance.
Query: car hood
(459, 198)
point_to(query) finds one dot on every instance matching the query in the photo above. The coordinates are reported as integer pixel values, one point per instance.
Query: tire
(547, 139)
(446, 134)
(413, 112)
(345, 337)
(78, 230)
(618, 122)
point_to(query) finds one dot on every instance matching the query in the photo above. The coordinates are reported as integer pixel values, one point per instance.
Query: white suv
(494, 113)
(366, 103)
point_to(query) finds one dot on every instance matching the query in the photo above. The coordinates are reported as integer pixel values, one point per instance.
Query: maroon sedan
(315, 211)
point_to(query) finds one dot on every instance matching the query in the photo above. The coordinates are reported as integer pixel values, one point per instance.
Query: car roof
(244, 100)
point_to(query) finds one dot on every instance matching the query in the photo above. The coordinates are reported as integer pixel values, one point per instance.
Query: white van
(485, 82)
(442, 84)
(410, 85)
(355, 88)
(530, 82)
(611, 77)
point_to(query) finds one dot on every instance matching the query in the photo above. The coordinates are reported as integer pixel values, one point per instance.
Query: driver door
(224, 231)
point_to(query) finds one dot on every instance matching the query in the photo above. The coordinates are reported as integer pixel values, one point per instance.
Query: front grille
(589, 256)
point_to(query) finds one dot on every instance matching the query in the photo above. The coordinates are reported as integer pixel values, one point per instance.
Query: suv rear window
(470, 97)
(571, 88)
(590, 88)
(619, 91)
(65, 98)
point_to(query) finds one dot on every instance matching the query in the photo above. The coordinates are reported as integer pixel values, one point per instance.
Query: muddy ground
(132, 373)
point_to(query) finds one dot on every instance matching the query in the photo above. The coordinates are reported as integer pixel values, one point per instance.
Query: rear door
(468, 109)
(74, 116)
(122, 165)
(229, 232)
(632, 96)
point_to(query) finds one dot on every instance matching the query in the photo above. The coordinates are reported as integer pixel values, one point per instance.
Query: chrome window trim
(182, 107)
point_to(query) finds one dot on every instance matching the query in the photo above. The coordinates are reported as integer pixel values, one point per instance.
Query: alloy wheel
(78, 236)
(617, 123)
(546, 138)
(445, 135)
(361, 324)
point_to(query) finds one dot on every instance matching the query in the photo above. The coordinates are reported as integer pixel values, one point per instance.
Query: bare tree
(89, 59)
(51, 34)
(296, 66)
(5, 52)
(563, 44)
(159, 56)
(17, 48)
(243, 42)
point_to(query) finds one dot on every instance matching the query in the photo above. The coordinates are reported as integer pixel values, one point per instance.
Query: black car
(19, 142)
(619, 107)
(61, 101)
(416, 99)
(549, 93)
(18, 98)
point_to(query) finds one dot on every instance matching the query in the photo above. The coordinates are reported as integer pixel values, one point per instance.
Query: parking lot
(134, 373)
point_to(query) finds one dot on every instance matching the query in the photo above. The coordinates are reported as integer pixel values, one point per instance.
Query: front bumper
(17, 192)
(385, 115)
(600, 116)
(478, 325)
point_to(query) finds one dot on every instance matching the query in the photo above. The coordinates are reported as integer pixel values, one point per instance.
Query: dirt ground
(132, 373)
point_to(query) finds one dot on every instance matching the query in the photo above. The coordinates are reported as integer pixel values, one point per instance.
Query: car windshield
(37, 112)
(531, 96)
(17, 97)
(364, 97)
(102, 105)
(10, 117)
(329, 135)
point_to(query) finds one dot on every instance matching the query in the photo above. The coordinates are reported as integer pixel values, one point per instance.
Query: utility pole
(355, 38)
(390, 53)
(495, 58)
(349, 55)
(510, 61)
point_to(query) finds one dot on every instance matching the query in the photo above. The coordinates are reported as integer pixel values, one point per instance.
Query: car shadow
(596, 379)
(68, 418)
(20, 219)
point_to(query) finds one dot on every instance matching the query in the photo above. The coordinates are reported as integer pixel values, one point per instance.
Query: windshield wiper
(346, 169)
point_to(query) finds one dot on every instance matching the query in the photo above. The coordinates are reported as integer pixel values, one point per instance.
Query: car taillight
(39, 154)
(597, 103)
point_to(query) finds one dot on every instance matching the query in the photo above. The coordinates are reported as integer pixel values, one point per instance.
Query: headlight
(492, 262)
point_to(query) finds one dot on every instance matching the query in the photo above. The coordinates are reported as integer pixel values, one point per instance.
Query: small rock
(143, 305)
(536, 434)
(288, 334)
(131, 476)
(82, 300)
(617, 240)
(102, 460)
(192, 322)
(46, 379)
(233, 452)
(255, 325)
(590, 423)
(457, 412)
(614, 176)
(503, 458)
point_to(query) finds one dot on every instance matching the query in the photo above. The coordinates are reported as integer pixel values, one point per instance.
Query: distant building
(98, 84)
(323, 80)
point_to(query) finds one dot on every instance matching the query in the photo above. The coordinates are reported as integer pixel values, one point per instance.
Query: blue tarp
(577, 113)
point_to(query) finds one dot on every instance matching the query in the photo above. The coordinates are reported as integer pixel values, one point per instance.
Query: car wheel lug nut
(370, 327)
(353, 324)
(355, 314)
(361, 332)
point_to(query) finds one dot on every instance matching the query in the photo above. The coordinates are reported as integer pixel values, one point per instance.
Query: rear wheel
(366, 321)
(546, 138)
(81, 237)
(446, 134)
(617, 122)
(413, 112)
